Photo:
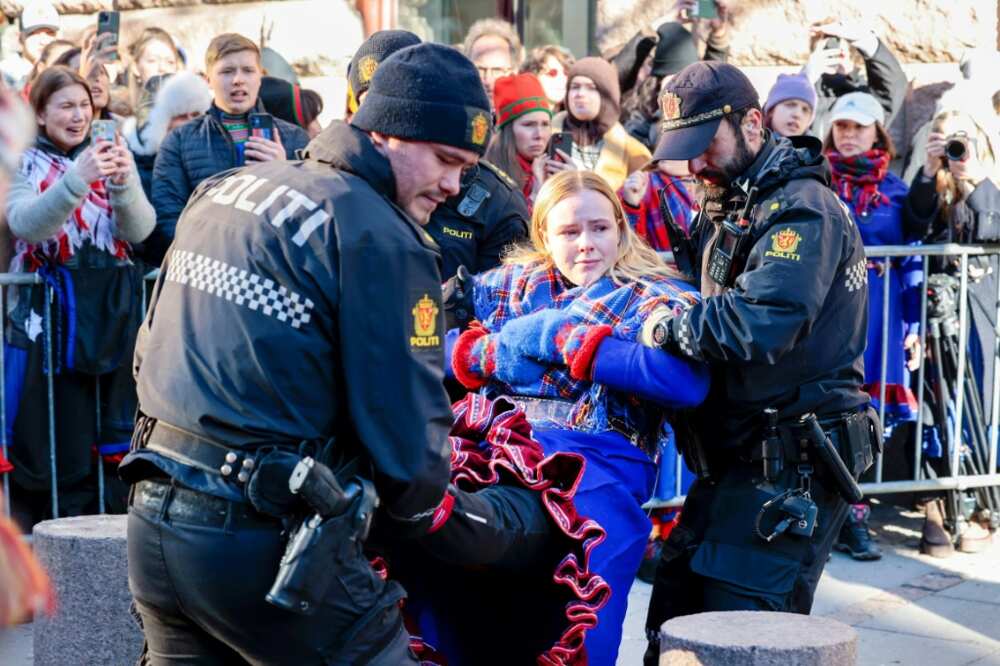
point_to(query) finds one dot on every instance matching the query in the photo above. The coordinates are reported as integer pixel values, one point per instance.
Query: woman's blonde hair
(636, 260)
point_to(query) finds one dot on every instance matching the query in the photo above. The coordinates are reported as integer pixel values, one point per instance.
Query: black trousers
(200, 567)
(714, 560)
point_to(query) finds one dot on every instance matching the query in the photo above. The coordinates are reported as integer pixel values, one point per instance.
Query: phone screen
(102, 130)
(707, 9)
(562, 141)
(108, 22)
(262, 125)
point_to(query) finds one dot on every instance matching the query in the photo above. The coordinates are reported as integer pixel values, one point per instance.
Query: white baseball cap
(860, 107)
(38, 15)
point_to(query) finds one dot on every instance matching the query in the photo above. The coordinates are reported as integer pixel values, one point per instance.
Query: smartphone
(832, 43)
(108, 21)
(262, 125)
(103, 130)
(562, 141)
(706, 9)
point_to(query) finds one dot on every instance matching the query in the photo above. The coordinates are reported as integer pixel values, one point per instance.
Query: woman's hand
(96, 162)
(971, 170)
(539, 173)
(821, 61)
(123, 161)
(933, 154)
(912, 345)
(564, 163)
(635, 188)
(97, 51)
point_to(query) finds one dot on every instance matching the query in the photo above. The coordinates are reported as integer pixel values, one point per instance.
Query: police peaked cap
(428, 92)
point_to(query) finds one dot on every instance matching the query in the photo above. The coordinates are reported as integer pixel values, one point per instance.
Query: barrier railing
(964, 434)
(18, 279)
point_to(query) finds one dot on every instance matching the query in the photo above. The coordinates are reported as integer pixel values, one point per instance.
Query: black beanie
(675, 49)
(367, 58)
(428, 92)
(282, 99)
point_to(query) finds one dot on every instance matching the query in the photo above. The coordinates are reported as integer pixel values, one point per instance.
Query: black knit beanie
(367, 58)
(428, 92)
(675, 49)
(282, 99)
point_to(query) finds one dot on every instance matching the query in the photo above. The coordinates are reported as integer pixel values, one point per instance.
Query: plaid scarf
(856, 179)
(92, 221)
(514, 290)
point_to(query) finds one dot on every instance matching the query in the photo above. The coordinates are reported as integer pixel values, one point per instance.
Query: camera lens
(956, 150)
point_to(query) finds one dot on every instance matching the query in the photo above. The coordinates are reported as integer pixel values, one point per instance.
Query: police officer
(475, 227)
(782, 327)
(298, 314)
(488, 215)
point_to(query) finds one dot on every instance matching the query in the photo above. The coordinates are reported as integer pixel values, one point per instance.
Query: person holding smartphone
(219, 140)
(831, 69)
(593, 104)
(74, 209)
(523, 145)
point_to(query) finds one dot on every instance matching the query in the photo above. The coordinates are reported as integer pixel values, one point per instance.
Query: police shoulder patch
(500, 173)
(785, 244)
(425, 332)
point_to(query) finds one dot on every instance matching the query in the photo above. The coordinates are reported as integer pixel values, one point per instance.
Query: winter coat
(190, 154)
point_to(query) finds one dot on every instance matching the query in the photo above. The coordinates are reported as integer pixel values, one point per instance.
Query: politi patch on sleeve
(425, 333)
(785, 245)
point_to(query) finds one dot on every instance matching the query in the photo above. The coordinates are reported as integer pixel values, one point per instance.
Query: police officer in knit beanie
(367, 58)
(410, 99)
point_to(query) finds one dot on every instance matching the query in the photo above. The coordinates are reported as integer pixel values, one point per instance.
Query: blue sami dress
(884, 225)
(632, 385)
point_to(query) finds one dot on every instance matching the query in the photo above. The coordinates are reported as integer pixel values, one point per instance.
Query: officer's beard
(717, 183)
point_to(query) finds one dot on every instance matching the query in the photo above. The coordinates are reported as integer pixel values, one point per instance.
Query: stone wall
(775, 32)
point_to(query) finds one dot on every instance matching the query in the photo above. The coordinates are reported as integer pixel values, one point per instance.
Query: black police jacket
(298, 302)
(473, 228)
(791, 332)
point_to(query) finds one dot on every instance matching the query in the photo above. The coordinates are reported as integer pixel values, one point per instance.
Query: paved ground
(907, 608)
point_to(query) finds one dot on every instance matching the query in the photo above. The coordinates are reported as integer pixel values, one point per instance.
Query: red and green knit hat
(516, 95)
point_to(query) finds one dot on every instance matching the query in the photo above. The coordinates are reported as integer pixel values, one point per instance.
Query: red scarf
(856, 179)
(529, 179)
(92, 221)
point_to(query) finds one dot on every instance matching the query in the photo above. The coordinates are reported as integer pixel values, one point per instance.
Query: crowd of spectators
(91, 213)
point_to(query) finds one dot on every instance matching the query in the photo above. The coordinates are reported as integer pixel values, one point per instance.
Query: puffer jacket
(190, 154)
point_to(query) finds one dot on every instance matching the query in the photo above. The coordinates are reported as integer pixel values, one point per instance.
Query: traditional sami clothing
(610, 415)
(877, 200)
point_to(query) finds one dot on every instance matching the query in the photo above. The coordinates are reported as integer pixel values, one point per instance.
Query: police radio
(732, 244)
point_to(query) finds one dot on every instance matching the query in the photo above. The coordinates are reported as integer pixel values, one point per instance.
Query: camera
(832, 43)
(956, 147)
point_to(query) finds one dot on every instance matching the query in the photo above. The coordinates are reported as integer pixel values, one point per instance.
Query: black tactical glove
(457, 297)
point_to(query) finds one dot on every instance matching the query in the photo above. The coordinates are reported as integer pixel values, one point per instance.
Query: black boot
(855, 539)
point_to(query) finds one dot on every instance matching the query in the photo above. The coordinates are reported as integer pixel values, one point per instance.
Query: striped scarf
(92, 221)
(856, 179)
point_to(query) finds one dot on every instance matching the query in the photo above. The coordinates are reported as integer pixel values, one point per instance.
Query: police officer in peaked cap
(786, 429)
